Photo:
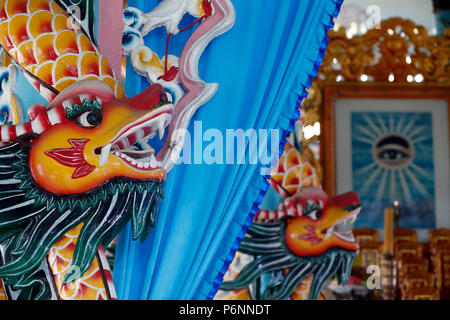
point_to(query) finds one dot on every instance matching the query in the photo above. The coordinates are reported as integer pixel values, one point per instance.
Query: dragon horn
(42, 122)
(42, 119)
(52, 53)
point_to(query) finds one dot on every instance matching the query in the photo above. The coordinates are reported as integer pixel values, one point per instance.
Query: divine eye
(393, 151)
(392, 154)
(89, 119)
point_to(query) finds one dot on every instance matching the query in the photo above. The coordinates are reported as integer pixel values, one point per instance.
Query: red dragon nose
(149, 98)
(344, 200)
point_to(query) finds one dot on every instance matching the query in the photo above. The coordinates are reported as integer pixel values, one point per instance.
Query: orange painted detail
(241, 294)
(90, 64)
(17, 6)
(90, 286)
(66, 42)
(306, 237)
(293, 173)
(5, 40)
(25, 55)
(49, 173)
(44, 51)
(302, 290)
(44, 72)
(59, 23)
(2, 291)
(40, 22)
(105, 68)
(18, 30)
(39, 5)
(3, 15)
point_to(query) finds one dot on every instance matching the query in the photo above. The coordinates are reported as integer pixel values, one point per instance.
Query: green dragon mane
(32, 220)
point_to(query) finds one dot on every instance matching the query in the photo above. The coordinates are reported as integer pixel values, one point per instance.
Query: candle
(389, 231)
(396, 214)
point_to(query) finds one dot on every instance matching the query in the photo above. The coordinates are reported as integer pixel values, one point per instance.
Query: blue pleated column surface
(263, 66)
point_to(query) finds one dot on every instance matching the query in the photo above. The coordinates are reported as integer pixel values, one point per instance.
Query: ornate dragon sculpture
(296, 249)
(82, 167)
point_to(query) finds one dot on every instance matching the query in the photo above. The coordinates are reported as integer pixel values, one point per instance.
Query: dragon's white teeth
(140, 135)
(329, 232)
(161, 130)
(140, 165)
(104, 155)
(310, 202)
(153, 161)
(146, 165)
(124, 142)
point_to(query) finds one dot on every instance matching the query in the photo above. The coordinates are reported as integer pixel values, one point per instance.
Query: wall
(420, 11)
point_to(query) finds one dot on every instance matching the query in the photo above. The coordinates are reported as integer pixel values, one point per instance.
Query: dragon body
(53, 55)
(78, 178)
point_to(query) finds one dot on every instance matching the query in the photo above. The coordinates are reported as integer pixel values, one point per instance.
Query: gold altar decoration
(400, 53)
(397, 52)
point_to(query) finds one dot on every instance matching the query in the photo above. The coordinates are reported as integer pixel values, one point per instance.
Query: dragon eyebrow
(86, 105)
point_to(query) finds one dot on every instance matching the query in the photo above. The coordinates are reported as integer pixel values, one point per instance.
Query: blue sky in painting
(380, 184)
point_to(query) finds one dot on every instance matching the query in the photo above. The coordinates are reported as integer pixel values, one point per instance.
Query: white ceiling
(420, 11)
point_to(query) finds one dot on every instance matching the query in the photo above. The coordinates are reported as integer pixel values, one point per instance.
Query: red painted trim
(110, 31)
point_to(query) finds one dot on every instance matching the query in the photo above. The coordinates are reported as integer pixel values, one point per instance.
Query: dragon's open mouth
(343, 228)
(130, 144)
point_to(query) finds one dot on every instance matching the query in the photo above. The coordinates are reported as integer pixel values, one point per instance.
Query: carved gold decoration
(400, 52)
(311, 105)
(397, 52)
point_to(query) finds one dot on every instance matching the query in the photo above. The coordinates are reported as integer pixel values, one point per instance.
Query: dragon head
(95, 137)
(83, 161)
(308, 237)
(320, 222)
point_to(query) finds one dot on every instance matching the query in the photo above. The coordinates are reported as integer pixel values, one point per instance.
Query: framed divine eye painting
(390, 144)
